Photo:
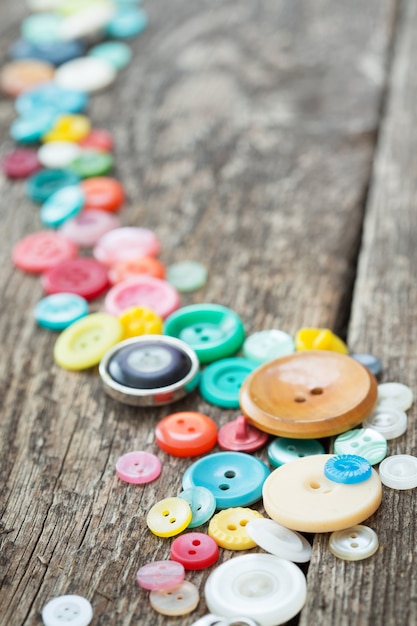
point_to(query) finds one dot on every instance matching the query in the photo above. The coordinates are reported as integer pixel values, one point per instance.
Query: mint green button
(117, 53)
(41, 28)
(92, 163)
(283, 450)
(267, 345)
(187, 276)
(365, 442)
(221, 381)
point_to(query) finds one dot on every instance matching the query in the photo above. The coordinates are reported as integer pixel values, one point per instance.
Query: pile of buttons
(152, 352)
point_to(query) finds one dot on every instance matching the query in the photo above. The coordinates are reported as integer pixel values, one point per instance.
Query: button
(195, 551)
(130, 269)
(41, 28)
(202, 504)
(160, 575)
(169, 517)
(228, 528)
(87, 21)
(92, 163)
(300, 497)
(319, 339)
(52, 96)
(283, 450)
(308, 394)
(21, 163)
(31, 128)
(58, 311)
(19, 76)
(214, 620)
(212, 330)
(365, 442)
(142, 291)
(103, 193)
(388, 421)
(69, 127)
(395, 395)
(138, 468)
(180, 600)
(61, 206)
(348, 469)
(98, 139)
(46, 182)
(124, 244)
(58, 154)
(82, 276)
(117, 53)
(260, 586)
(86, 228)
(234, 478)
(41, 251)
(71, 609)
(138, 321)
(186, 434)
(85, 74)
(53, 52)
(278, 540)
(187, 276)
(240, 436)
(83, 344)
(370, 361)
(221, 381)
(354, 544)
(399, 471)
(267, 345)
(126, 23)
(149, 370)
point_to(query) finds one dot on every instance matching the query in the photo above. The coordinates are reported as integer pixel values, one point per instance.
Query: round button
(87, 21)
(127, 22)
(58, 154)
(186, 434)
(21, 163)
(221, 381)
(178, 601)
(388, 421)
(195, 551)
(212, 330)
(53, 52)
(58, 311)
(124, 244)
(52, 96)
(82, 276)
(261, 586)
(103, 193)
(319, 339)
(267, 345)
(370, 361)
(354, 544)
(278, 540)
(234, 478)
(169, 517)
(41, 251)
(366, 442)
(138, 467)
(138, 321)
(160, 575)
(70, 609)
(202, 504)
(131, 269)
(308, 394)
(395, 395)
(98, 139)
(19, 76)
(41, 28)
(214, 620)
(283, 450)
(348, 469)
(117, 53)
(92, 163)
(142, 291)
(240, 436)
(228, 528)
(86, 228)
(86, 74)
(300, 497)
(83, 344)
(46, 182)
(61, 206)
(187, 276)
(399, 471)
(69, 127)
(30, 129)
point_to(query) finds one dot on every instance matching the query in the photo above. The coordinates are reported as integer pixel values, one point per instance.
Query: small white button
(399, 471)
(388, 421)
(176, 601)
(354, 544)
(87, 74)
(85, 22)
(68, 610)
(278, 540)
(396, 395)
(58, 154)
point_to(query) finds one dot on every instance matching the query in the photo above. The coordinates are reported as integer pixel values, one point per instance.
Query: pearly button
(169, 517)
(160, 575)
(87, 74)
(180, 600)
(71, 610)
(202, 504)
(138, 467)
(354, 544)
(187, 276)
(278, 540)
(283, 450)
(58, 154)
(399, 471)
(228, 528)
(365, 442)
(395, 395)
(267, 345)
(388, 421)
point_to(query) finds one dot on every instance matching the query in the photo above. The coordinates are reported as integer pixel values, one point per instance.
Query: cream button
(300, 497)
(177, 601)
(278, 540)
(396, 395)
(399, 471)
(354, 544)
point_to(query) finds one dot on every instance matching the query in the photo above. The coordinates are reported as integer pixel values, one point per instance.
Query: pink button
(138, 467)
(195, 550)
(241, 436)
(83, 276)
(98, 139)
(160, 575)
(21, 163)
(123, 244)
(86, 228)
(41, 251)
(145, 291)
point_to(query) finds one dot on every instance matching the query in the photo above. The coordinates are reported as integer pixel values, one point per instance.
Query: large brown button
(309, 394)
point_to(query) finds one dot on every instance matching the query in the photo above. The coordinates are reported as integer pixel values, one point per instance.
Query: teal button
(365, 442)
(128, 22)
(187, 276)
(268, 345)
(92, 163)
(31, 128)
(50, 96)
(61, 206)
(202, 504)
(60, 310)
(221, 381)
(46, 182)
(284, 450)
(117, 53)
(41, 28)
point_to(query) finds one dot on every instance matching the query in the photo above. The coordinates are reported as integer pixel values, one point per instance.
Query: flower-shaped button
(138, 467)
(348, 469)
(319, 339)
(169, 517)
(139, 320)
(228, 528)
(221, 381)
(195, 551)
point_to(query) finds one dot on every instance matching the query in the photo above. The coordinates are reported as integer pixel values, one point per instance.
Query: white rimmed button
(388, 421)
(399, 471)
(396, 395)
(278, 540)
(260, 586)
(87, 74)
(354, 544)
(71, 610)
(177, 601)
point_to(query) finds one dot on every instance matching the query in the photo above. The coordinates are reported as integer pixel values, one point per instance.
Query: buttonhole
(180, 421)
(231, 379)
(243, 522)
(316, 391)
(299, 398)
(353, 536)
(354, 545)
(354, 444)
(314, 485)
(165, 513)
(172, 520)
(180, 597)
(224, 487)
(367, 438)
(291, 448)
(199, 508)
(191, 429)
(204, 338)
(192, 552)
(196, 542)
(230, 474)
(231, 527)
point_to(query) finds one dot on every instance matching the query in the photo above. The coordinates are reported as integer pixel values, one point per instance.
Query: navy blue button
(370, 361)
(348, 469)
(51, 96)
(54, 52)
(221, 381)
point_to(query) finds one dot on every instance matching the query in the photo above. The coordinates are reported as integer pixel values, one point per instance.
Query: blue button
(117, 53)
(55, 53)
(283, 450)
(202, 504)
(62, 205)
(128, 21)
(221, 381)
(43, 184)
(234, 478)
(31, 128)
(348, 469)
(51, 96)
(60, 310)
(370, 361)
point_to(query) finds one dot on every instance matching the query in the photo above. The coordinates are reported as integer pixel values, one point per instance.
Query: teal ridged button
(187, 276)
(60, 310)
(267, 345)
(31, 128)
(92, 163)
(128, 22)
(212, 330)
(365, 442)
(284, 450)
(202, 504)
(117, 53)
(61, 206)
(221, 381)
(46, 182)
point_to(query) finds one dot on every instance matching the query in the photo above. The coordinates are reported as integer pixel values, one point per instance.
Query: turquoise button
(283, 450)
(365, 442)
(117, 53)
(128, 21)
(212, 330)
(46, 182)
(41, 28)
(60, 310)
(348, 469)
(221, 381)
(268, 345)
(202, 504)
(234, 478)
(31, 128)
(50, 96)
(61, 206)
(187, 276)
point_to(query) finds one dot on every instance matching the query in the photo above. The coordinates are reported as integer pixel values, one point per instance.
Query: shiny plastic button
(278, 540)
(19, 76)
(69, 127)
(21, 163)
(138, 467)
(117, 53)
(395, 395)
(260, 586)
(228, 528)
(186, 434)
(53, 52)
(195, 551)
(283, 450)
(169, 517)
(39, 252)
(51, 96)
(60, 310)
(86, 74)
(202, 504)
(240, 436)
(187, 276)
(92, 163)
(178, 601)
(319, 339)
(130, 269)
(212, 330)
(70, 609)
(58, 154)
(103, 193)
(127, 243)
(399, 471)
(267, 345)
(234, 478)
(40, 28)
(61, 206)
(221, 381)
(138, 321)
(160, 575)
(87, 21)
(365, 442)
(128, 22)
(47, 182)
(142, 291)
(348, 469)
(86, 228)
(388, 421)
(370, 361)
(354, 544)
(30, 129)
(82, 276)
(98, 139)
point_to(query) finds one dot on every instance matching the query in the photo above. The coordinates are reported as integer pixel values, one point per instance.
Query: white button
(209, 620)
(399, 471)
(278, 540)
(177, 601)
(396, 395)
(86, 22)
(260, 586)
(68, 610)
(354, 544)
(87, 74)
(58, 154)
(388, 421)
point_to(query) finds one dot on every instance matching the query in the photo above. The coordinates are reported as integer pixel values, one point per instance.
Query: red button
(85, 277)
(21, 163)
(241, 436)
(195, 550)
(98, 139)
(186, 434)
(129, 269)
(41, 251)
(103, 192)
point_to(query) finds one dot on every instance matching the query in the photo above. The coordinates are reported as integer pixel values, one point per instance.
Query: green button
(221, 381)
(283, 450)
(92, 163)
(187, 276)
(117, 53)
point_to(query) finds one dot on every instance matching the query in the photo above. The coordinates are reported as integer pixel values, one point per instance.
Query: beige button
(176, 601)
(300, 497)
(19, 76)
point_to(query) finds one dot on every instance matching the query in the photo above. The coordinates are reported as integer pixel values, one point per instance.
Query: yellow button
(228, 528)
(84, 343)
(69, 127)
(169, 517)
(319, 339)
(138, 320)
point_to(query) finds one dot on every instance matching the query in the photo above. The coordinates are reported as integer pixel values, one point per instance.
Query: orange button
(308, 395)
(130, 269)
(19, 76)
(104, 193)
(186, 434)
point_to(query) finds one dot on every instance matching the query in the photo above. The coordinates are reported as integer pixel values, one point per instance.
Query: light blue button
(43, 184)
(56, 52)
(221, 381)
(31, 128)
(52, 97)
(117, 53)
(283, 450)
(267, 345)
(202, 503)
(61, 206)
(348, 469)
(60, 310)
(371, 362)
(128, 21)
(41, 28)
(234, 478)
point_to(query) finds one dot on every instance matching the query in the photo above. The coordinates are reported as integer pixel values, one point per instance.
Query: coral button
(160, 575)
(103, 193)
(82, 276)
(142, 291)
(124, 244)
(41, 251)
(186, 434)
(195, 551)
(130, 269)
(138, 467)
(169, 517)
